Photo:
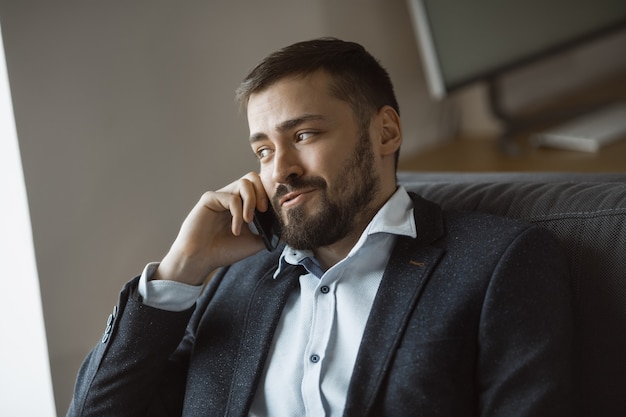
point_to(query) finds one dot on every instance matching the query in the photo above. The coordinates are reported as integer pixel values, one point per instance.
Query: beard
(355, 187)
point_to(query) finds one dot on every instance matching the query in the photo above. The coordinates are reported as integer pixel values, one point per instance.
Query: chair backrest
(587, 212)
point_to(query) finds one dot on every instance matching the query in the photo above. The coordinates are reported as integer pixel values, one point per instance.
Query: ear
(390, 130)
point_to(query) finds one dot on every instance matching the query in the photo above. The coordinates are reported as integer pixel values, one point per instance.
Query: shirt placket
(322, 307)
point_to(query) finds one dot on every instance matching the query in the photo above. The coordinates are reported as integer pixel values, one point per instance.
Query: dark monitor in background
(466, 41)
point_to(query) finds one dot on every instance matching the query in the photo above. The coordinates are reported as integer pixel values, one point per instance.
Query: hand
(215, 234)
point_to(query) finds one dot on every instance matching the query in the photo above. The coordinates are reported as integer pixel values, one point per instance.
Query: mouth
(295, 197)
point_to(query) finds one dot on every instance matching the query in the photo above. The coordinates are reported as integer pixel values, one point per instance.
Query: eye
(300, 136)
(263, 152)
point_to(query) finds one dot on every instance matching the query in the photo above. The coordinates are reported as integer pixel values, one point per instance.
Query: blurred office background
(125, 116)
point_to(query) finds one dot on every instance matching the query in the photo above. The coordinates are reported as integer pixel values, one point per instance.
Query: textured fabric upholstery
(587, 212)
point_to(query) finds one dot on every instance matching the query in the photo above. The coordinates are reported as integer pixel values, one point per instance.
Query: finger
(234, 204)
(251, 193)
(249, 198)
(222, 201)
(245, 191)
(262, 199)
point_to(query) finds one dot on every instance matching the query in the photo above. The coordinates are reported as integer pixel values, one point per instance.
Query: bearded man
(375, 303)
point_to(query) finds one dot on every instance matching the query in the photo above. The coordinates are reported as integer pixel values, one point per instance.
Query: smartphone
(266, 227)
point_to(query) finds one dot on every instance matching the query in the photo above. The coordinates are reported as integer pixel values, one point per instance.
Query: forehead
(292, 97)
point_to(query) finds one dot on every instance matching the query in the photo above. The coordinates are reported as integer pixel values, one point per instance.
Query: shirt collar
(395, 217)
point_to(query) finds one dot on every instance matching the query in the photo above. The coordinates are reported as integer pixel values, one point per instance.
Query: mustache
(297, 183)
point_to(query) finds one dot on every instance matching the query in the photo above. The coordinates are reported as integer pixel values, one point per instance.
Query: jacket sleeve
(133, 371)
(525, 335)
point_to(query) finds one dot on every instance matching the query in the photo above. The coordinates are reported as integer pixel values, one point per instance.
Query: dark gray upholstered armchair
(587, 212)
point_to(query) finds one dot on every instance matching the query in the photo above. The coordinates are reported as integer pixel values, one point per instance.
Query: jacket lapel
(266, 306)
(409, 267)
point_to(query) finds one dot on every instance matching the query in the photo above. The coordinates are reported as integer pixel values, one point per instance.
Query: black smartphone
(266, 227)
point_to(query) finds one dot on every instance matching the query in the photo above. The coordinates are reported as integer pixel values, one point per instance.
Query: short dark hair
(357, 77)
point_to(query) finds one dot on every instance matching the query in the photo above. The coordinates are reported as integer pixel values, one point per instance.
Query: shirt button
(315, 358)
(325, 289)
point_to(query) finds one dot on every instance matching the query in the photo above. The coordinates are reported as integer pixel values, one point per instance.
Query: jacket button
(107, 332)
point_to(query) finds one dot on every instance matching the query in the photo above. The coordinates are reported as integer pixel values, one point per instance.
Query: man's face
(316, 161)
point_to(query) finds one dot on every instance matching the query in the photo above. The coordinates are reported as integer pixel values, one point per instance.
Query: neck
(330, 255)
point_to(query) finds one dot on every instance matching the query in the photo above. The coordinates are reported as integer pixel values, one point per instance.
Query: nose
(287, 164)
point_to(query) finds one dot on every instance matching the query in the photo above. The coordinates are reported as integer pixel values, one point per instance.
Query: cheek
(324, 161)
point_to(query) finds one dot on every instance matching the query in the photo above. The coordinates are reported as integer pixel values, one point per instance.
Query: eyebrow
(288, 125)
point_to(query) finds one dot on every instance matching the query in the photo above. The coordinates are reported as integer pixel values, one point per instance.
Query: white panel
(25, 382)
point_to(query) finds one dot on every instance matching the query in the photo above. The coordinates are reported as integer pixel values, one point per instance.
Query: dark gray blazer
(472, 318)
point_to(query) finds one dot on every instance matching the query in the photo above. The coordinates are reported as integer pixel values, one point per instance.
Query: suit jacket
(472, 318)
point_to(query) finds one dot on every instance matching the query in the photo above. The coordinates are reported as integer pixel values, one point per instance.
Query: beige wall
(125, 115)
